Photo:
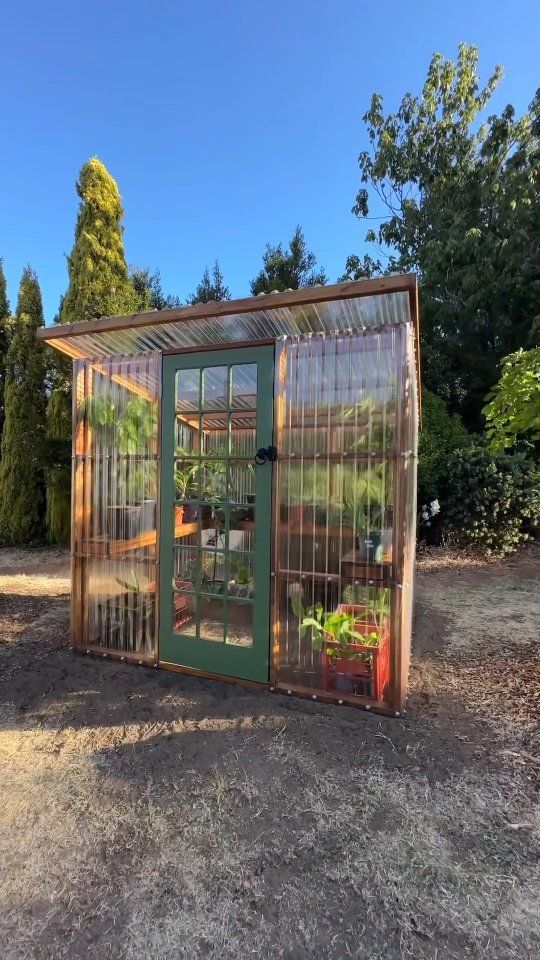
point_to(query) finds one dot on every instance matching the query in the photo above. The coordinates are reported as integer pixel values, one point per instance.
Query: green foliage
(21, 467)
(98, 276)
(284, 270)
(98, 285)
(442, 433)
(337, 627)
(4, 338)
(513, 410)
(58, 513)
(147, 286)
(462, 202)
(210, 289)
(493, 502)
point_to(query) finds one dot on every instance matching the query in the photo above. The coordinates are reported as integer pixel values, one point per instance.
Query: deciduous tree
(463, 210)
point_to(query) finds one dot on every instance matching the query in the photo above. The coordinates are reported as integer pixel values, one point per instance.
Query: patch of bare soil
(150, 816)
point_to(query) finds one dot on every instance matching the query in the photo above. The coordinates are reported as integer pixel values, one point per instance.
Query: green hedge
(490, 501)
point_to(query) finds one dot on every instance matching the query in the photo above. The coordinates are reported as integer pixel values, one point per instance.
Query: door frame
(262, 352)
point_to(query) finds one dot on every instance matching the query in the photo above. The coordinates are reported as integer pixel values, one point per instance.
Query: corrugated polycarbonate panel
(115, 504)
(339, 522)
(327, 317)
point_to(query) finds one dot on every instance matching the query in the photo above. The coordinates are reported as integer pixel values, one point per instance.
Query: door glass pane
(187, 569)
(243, 434)
(214, 434)
(215, 388)
(213, 571)
(187, 390)
(185, 614)
(242, 482)
(241, 529)
(187, 434)
(186, 480)
(214, 481)
(212, 619)
(240, 623)
(244, 386)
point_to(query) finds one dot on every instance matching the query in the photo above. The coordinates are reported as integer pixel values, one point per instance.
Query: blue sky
(224, 124)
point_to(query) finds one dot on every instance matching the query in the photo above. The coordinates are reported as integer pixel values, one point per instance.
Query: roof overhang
(340, 307)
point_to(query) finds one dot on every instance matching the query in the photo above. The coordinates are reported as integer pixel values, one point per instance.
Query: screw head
(340, 702)
(368, 706)
(289, 692)
(314, 697)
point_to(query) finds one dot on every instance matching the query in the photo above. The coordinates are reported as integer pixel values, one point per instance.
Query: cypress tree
(4, 338)
(22, 483)
(98, 285)
(98, 275)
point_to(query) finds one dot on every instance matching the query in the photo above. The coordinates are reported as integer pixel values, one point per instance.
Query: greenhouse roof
(341, 307)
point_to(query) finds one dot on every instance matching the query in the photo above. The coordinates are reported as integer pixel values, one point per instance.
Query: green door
(217, 412)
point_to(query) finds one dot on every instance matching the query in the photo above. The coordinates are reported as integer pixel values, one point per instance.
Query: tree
(147, 286)
(98, 275)
(284, 270)
(441, 435)
(462, 210)
(98, 285)
(4, 338)
(22, 481)
(513, 410)
(210, 289)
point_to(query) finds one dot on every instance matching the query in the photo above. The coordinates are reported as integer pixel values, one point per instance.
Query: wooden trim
(377, 706)
(179, 351)
(405, 283)
(204, 675)
(145, 659)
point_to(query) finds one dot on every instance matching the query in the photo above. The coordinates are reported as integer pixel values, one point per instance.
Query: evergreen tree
(98, 285)
(4, 339)
(98, 277)
(287, 269)
(22, 481)
(147, 286)
(210, 288)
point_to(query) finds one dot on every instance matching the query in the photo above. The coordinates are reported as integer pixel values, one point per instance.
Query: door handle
(266, 453)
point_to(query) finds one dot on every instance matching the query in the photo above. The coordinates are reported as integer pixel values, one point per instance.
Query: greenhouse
(244, 489)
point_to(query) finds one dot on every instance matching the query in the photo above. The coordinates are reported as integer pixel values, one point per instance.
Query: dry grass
(146, 816)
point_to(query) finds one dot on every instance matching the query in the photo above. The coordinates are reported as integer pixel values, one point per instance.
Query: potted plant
(365, 522)
(242, 584)
(185, 484)
(353, 660)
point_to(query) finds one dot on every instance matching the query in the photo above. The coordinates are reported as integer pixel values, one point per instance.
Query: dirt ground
(150, 816)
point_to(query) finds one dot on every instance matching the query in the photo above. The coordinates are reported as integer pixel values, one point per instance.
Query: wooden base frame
(303, 693)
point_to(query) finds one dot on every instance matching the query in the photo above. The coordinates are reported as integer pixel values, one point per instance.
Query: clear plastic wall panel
(337, 404)
(115, 501)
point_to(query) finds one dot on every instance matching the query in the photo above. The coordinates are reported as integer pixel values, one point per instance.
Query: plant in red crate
(353, 648)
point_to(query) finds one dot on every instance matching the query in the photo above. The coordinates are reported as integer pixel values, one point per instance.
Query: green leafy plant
(376, 600)
(331, 631)
(185, 480)
(513, 410)
(493, 500)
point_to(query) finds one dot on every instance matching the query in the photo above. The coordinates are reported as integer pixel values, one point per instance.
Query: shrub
(441, 435)
(492, 501)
